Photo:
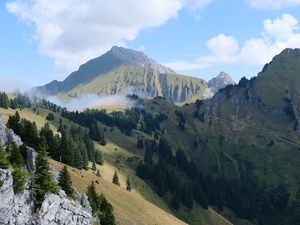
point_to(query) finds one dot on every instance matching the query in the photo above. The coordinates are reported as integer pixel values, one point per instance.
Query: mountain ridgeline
(124, 71)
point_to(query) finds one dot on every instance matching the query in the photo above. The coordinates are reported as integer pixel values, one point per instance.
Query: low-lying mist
(84, 101)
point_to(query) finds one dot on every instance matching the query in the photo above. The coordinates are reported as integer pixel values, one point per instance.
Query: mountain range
(124, 71)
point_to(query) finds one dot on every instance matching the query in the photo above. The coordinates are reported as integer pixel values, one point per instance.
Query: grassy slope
(142, 205)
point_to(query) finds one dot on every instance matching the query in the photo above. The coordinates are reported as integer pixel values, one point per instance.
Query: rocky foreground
(18, 208)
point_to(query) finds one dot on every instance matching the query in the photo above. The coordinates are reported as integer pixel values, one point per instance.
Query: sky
(43, 40)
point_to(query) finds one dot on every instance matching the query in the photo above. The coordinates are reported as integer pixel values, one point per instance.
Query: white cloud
(74, 31)
(223, 47)
(272, 4)
(277, 35)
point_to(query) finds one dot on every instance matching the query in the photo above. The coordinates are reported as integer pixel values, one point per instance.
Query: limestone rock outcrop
(3, 137)
(14, 138)
(57, 209)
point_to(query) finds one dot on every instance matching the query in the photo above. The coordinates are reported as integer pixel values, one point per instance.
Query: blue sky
(44, 40)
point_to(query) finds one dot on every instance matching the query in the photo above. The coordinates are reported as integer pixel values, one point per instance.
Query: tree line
(20, 101)
(71, 146)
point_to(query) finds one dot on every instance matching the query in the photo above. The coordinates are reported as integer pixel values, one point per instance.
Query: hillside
(142, 205)
(121, 71)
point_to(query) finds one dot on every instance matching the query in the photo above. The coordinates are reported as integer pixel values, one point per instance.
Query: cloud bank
(92, 100)
(276, 35)
(74, 31)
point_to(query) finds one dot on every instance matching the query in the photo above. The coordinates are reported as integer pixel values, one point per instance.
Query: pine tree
(19, 179)
(128, 184)
(98, 157)
(65, 182)
(93, 197)
(106, 217)
(50, 117)
(14, 122)
(98, 173)
(140, 143)
(116, 179)
(4, 164)
(4, 101)
(43, 180)
(100, 206)
(16, 156)
(94, 166)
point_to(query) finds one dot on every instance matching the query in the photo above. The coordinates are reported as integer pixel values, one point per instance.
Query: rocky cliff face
(14, 208)
(3, 138)
(18, 208)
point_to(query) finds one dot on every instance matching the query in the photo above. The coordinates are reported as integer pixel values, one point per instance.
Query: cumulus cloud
(277, 35)
(74, 31)
(272, 4)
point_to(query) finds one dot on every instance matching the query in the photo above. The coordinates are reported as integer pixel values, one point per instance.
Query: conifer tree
(98, 157)
(4, 164)
(94, 166)
(43, 180)
(65, 182)
(100, 206)
(93, 197)
(98, 173)
(14, 122)
(16, 156)
(128, 184)
(116, 179)
(19, 179)
(4, 101)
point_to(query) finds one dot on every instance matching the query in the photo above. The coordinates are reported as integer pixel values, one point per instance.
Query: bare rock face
(14, 138)
(58, 209)
(3, 137)
(6, 196)
(16, 209)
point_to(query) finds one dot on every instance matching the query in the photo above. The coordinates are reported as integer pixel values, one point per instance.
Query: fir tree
(128, 184)
(4, 164)
(43, 180)
(50, 117)
(98, 173)
(65, 182)
(16, 157)
(4, 101)
(100, 206)
(94, 166)
(98, 157)
(116, 179)
(19, 179)
(93, 197)
(14, 122)
(140, 143)
(106, 217)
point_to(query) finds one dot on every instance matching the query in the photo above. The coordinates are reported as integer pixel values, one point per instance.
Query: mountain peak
(220, 81)
(137, 58)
